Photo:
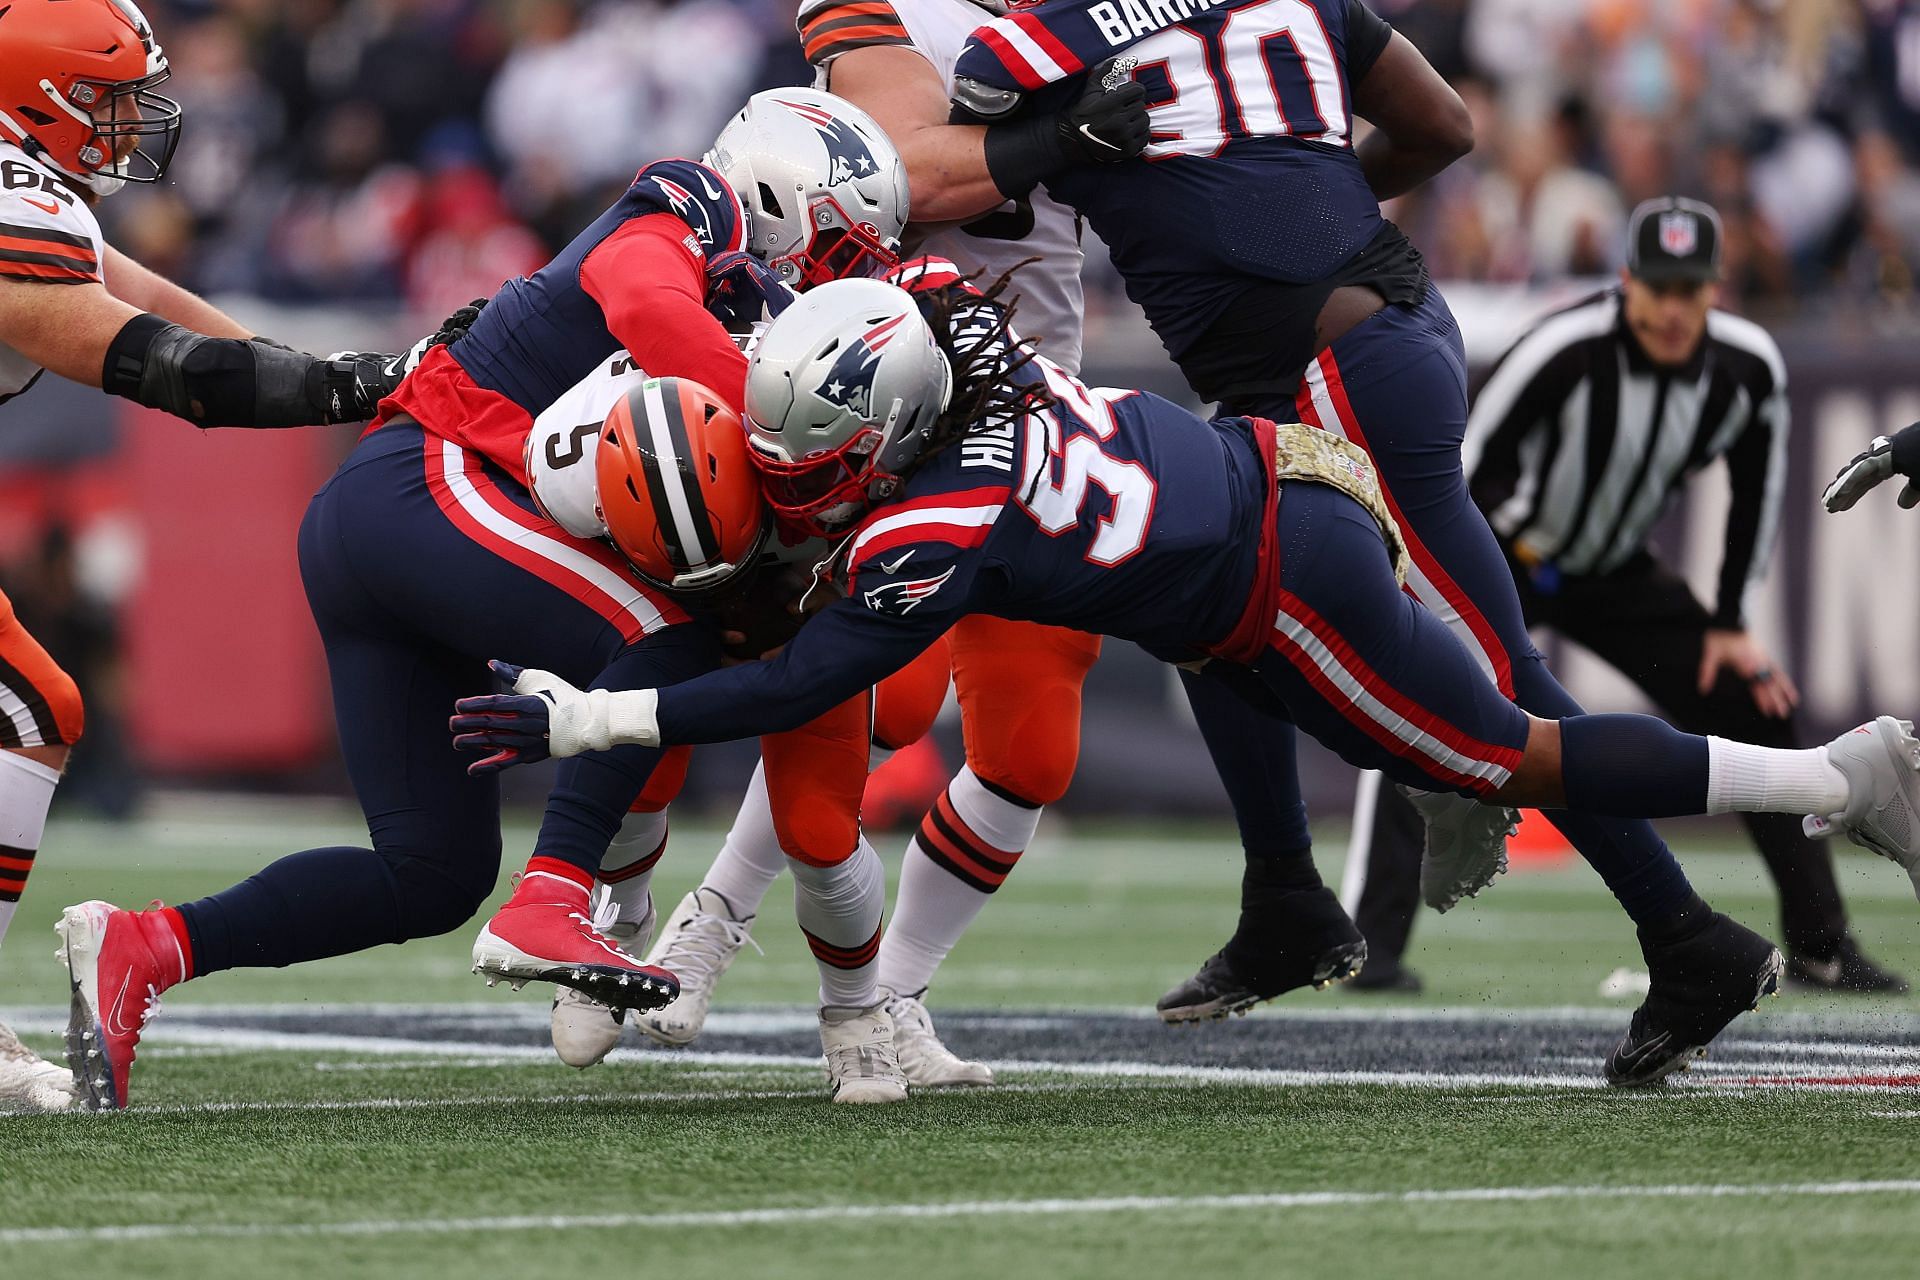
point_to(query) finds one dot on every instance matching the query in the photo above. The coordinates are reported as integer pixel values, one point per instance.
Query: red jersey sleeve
(650, 280)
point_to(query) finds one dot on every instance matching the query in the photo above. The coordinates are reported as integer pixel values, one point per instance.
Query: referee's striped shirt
(1577, 442)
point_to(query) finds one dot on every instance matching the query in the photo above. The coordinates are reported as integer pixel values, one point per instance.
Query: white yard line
(1039, 1208)
(228, 1039)
(776, 1021)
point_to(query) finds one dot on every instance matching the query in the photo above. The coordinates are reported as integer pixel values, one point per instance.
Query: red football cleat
(118, 963)
(545, 933)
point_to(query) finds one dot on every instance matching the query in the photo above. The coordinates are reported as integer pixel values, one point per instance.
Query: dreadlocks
(974, 329)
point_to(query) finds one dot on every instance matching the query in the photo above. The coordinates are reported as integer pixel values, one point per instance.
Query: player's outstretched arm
(146, 290)
(1887, 456)
(946, 163)
(83, 332)
(1420, 124)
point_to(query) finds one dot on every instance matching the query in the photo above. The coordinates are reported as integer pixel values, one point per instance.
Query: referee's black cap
(1673, 239)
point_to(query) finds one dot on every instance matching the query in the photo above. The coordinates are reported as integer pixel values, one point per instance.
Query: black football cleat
(1700, 983)
(1846, 971)
(1305, 940)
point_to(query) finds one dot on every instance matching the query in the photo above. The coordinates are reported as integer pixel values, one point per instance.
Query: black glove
(1106, 125)
(352, 384)
(348, 386)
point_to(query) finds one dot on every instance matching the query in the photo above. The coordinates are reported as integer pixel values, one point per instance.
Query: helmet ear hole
(770, 202)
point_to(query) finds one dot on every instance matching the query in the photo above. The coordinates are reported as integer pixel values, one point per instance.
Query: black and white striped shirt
(1577, 442)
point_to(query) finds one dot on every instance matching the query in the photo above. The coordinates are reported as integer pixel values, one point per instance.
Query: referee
(1581, 436)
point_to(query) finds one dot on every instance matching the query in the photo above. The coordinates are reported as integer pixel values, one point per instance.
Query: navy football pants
(420, 563)
(1396, 385)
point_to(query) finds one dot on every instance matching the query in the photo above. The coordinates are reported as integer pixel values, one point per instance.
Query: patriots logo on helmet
(687, 209)
(902, 598)
(1678, 233)
(849, 383)
(848, 155)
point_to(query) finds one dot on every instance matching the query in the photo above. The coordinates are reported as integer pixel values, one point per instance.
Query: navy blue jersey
(1251, 174)
(621, 283)
(1116, 512)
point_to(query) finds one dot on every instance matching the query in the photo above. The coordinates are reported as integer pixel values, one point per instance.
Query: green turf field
(295, 1122)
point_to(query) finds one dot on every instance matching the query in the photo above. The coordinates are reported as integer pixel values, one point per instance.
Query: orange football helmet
(679, 497)
(76, 90)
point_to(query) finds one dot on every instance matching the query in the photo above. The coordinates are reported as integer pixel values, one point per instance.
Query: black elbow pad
(216, 382)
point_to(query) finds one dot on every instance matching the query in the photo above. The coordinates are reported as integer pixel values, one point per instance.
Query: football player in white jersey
(79, 118)
(976, 202)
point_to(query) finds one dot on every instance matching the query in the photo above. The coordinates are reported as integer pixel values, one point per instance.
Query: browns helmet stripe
(673, 481)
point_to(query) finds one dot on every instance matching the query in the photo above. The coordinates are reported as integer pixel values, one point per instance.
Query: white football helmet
(825, 191)
(842, 394)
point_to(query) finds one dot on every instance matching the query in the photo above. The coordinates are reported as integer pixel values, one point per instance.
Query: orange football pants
(39, 703)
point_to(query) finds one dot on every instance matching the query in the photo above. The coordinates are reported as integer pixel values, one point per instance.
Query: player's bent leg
(906, 703)
(1019, 687)
(1396, 386)
(1292, 931)
(41, 716)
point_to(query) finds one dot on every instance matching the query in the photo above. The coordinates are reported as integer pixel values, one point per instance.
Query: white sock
(1742, 778)
(627, 870)
(26, 790)
(963, 851)
(750, 858)
(839, 909)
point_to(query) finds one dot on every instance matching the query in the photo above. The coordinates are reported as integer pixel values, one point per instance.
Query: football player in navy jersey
(964, 474)
(427, 529)
(1281, 291)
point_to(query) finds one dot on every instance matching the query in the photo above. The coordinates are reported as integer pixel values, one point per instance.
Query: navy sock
(1628, 853)
(1629, 764)
(322, 902)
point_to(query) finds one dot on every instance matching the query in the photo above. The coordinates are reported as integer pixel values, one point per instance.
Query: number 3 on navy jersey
(1263, 70)
(1063, 453)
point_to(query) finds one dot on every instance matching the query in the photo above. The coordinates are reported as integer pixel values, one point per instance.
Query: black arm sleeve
(1906, 451)
(1367, 36)
(225, 382)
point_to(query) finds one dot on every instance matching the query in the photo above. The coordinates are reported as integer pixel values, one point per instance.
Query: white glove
(1863, 473)
(592, 720)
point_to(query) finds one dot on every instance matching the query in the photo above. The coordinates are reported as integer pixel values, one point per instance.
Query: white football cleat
(584, 1030)
(698, 944)
(1466, 845)
(28, 1082)
(924, 1060)
(862, 1066)
(1881, 761)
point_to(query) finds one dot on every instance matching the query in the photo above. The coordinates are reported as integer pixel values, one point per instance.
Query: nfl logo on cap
(1679, 233)
(1674, 240)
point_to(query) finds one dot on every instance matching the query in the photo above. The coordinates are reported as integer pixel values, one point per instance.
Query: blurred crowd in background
(416, 152)
(381, 161)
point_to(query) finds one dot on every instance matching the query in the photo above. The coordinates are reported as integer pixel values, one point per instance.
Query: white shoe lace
(701, 947)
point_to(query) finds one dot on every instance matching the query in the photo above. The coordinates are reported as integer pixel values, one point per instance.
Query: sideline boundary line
(954, 1209)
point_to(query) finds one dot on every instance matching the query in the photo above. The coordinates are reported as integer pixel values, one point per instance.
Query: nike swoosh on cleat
(114, 1026)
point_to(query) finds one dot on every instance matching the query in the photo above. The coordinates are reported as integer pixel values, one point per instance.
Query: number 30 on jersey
(1265, 70)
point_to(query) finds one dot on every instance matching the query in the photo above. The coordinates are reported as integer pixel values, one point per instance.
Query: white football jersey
(1051, 303)
(48, 236)
(561, 448)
